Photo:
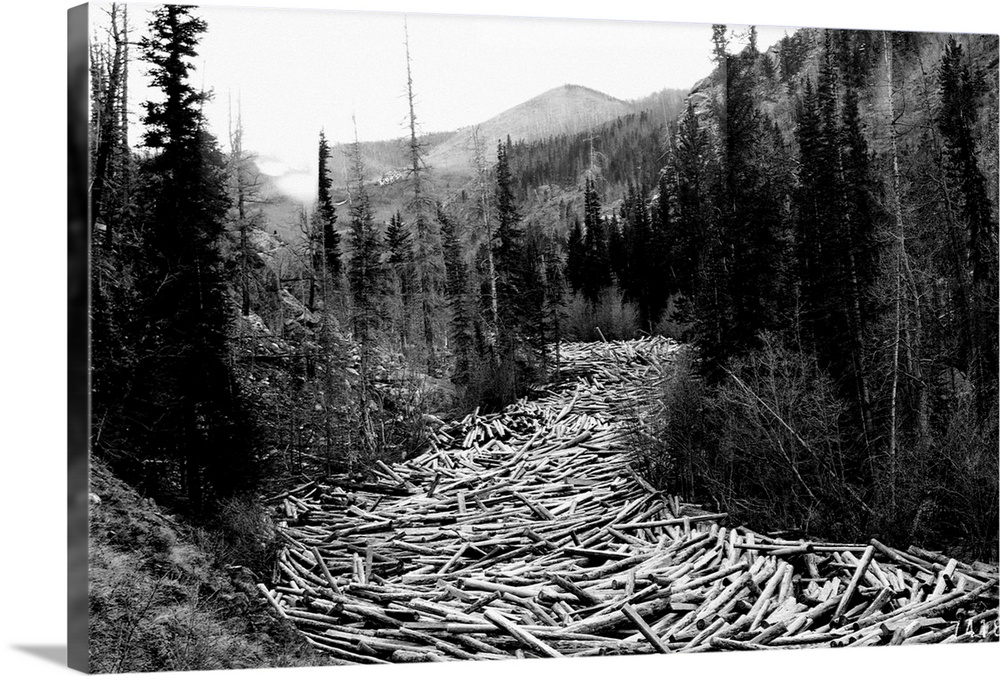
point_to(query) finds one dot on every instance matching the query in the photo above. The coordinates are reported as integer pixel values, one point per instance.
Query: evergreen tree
(576, 257)
(960, 90)
(533, 326)
(365, 275)
(860, 257)
(693, 213)
(741, 293)
(598, 258)
(554, 286)
(365, 269)
(328, 251)
(456, 288)
(427, 244)
(619, 235)
(835, 235)
(508, 248)
(401, 267)
(642, 282)
(113, 327)
(185, 404)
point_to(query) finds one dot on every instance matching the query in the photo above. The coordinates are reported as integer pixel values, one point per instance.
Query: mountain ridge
(566, 109)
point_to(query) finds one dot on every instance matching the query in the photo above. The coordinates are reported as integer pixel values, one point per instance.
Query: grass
(159, 601)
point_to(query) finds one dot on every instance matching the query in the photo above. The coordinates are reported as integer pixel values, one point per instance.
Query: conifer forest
(765, 304)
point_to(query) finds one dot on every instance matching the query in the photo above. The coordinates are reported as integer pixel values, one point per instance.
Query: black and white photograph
(407, 336)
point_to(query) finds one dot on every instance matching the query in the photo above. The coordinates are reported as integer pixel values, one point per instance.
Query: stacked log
(526, 534)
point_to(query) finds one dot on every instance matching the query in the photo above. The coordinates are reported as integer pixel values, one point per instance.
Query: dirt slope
(158, 601)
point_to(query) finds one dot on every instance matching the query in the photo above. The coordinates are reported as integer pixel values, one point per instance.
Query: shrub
(611, 318)
(667, 456)
(242, 535)
(763, 444)
(946, 486)
(767, 445)
(674, 321)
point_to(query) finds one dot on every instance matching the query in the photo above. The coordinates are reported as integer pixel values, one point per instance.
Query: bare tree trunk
(112, 122)
(424, 250)
(491, 271)
(239, 180)
(900, 253)
(854, 321)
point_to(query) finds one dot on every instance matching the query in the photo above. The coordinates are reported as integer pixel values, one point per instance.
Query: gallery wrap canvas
(410, 338)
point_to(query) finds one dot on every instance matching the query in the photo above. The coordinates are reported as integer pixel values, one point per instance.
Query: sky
(289, 73)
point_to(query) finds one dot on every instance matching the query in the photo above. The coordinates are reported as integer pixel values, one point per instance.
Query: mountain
(568, 109)
(450, 156)
(564, 110)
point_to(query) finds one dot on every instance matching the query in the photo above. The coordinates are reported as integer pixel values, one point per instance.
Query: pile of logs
(526, 534)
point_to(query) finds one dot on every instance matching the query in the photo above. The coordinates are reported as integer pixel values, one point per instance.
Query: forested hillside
(227, 353)
(828, 228)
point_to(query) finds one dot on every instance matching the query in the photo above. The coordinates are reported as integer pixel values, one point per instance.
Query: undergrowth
(767, 446)
(161, 598)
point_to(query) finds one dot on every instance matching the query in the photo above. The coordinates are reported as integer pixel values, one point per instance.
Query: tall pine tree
(328, 239)
(977, 254)
(185, 405)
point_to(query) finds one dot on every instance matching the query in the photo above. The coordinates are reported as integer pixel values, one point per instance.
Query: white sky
(296, 71)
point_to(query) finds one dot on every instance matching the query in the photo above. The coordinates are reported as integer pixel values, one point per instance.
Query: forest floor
(527, 533)
(159, 601)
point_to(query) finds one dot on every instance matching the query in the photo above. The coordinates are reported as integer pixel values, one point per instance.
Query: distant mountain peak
(566, 109)
(583, 90)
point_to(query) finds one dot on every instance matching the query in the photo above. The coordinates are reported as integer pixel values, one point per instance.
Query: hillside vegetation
(161, 597)
(831, 230)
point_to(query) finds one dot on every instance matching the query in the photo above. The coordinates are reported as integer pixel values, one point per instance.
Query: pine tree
(186, 405)
(244, 191)
(113, 326)
(960, 91)
(835, 236)
(457, 274)
(365, 274)
(744, 294)
(489, 270)
(619, 234)
(641, 283)
(554, 286)
(507, 248)
(598, 260)
(328, 252)
(860, 256)
(365, 269)
(426, 241)
(400, 264)
(694, 212)
(576, 255)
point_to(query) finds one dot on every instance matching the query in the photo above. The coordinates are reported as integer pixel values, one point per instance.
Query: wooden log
(522, 635)
(718, 625)
(486, 585)
(686, 520)
(644, 629)
(272, 601)
(443, 646)
(710, 577)
(575, 589)
(408, 656)
(326, 571)
(729, 644)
